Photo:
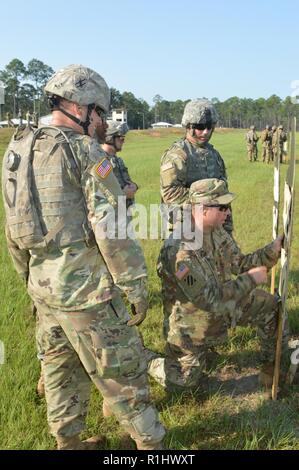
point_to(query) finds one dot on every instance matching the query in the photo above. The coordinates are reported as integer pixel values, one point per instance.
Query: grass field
(233, 413)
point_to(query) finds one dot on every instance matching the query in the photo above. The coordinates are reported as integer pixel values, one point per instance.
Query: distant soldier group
(273, 140)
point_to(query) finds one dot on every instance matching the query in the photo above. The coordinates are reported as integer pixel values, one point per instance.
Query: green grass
(214, 419)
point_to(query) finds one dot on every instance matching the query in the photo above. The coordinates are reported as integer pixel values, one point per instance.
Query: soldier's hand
(277, 244)
(259, 274)
(130, 190)
(139, 313)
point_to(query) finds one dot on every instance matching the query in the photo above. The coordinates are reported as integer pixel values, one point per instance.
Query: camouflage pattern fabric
(202, 298)
(252, 139)
(198, 111)
(266, 139)
(95, 344)
(76, 275)
(122, 174)
(184, 163)
(74, 285)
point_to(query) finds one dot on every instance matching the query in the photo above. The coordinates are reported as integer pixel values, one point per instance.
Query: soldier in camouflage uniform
(281, 139)
(84, 331)
(191, 158)
(201, 298)
(266, 139)
(273, 142)
(252, 139)
(115, 137)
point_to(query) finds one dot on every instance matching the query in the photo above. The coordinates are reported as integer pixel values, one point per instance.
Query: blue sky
(177, 49)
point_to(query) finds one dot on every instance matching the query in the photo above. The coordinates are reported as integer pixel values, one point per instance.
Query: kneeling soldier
(207, 289)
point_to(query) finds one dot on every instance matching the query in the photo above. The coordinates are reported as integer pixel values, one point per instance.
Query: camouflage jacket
(251, 138)
(184, 163)
(211, 279)
(122, 174)
(77, 275)
(266, 138)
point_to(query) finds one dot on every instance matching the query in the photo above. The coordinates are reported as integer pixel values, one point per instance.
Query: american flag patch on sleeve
(182, 271)
(103, 168)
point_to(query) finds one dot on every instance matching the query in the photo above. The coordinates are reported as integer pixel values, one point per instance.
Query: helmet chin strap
(85, 124)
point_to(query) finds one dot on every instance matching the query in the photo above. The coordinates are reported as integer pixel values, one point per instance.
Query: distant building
(161, 124)
(119, 115)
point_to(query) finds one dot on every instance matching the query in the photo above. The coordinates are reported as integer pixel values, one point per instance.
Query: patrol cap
(81, 85)
(210, 191)
(252, 127)
(280, 126)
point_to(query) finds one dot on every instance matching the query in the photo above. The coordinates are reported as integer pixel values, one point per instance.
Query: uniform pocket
(117, 349)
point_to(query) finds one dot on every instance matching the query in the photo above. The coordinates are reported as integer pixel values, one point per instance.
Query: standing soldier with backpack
(58, 186)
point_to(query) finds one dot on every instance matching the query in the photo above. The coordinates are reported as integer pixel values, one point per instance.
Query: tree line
(24, 91)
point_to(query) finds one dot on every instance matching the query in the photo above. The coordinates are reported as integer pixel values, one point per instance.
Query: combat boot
(74, 443)
(106, 410)
(40, 388)
(267, 373)
(149, 445)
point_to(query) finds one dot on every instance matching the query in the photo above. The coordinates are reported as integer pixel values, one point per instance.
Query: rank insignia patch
(103, 168)
(182, 271)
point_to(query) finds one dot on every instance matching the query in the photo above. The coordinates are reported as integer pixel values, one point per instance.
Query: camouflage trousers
(95, 344)
(267, 154)
(252, 152)
(189, 336)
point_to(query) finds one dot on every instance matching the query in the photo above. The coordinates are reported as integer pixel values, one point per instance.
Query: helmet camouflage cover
(80, 85)
(116, 128)
(199, 111)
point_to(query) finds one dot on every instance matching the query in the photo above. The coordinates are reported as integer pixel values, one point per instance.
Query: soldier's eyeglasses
(101, 113)
(201, 127)
(221, 207)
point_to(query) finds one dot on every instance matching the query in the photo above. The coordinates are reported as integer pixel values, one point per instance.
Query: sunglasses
(201, 127)
(101, 113)
(221, 207)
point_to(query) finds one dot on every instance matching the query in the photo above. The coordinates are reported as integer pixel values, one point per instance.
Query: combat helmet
(280, 126)
(115, 129)
(198, 112)
(80, 85)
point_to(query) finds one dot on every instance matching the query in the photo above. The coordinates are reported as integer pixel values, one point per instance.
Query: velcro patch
(103, 168)
(182, 271)
(167, 166)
